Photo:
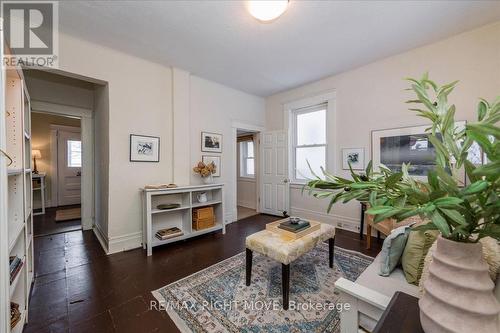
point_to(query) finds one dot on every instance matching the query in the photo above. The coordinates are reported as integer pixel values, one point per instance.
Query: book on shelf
(163, 234)
(294, 227)
(15, 266)
(15, 314)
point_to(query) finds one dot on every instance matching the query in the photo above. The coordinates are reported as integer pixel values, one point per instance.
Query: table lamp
(35, 153)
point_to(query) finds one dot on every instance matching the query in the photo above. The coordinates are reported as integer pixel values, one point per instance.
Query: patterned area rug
(216, 299)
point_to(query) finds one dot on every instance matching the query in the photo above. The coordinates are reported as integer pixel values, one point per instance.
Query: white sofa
(370, 294)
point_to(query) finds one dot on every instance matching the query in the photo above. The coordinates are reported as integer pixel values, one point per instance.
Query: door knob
(285, 181)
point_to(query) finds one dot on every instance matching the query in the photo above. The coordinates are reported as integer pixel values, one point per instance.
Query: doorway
(247, 173)
(57, 155)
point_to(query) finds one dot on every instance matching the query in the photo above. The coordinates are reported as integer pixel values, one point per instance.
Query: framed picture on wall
(216, 159)
(211, 142)
(144, 148)
(354, 156)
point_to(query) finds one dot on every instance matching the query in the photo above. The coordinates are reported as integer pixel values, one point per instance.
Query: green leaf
(369, 169)
(469, 170)
(454, 215)
(440, 223)
(485, 129)
(386, 215)
(481, 110)
(448, 201)
(363, 185)
(475, 187)
(425, 227)
(393, 179)
(432, 178)
(489, 169)
(378, 210)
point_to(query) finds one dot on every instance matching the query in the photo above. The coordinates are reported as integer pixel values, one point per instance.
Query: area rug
(216, 299)
(68, 214)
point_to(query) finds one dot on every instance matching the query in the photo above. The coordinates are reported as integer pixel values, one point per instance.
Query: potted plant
(458, 293)
(205, 171)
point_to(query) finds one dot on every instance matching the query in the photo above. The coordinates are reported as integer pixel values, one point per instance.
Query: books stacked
(294, 226)
(163, 234)
(15, 314)
(15, 264)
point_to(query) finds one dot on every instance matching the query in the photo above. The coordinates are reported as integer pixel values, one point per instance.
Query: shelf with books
(17, 275)
(18, 328)
(161, 211)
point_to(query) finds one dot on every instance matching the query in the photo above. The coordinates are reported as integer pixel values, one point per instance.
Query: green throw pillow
(392, 250)
(416, 249)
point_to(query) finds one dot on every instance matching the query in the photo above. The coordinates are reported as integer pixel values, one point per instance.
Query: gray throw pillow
(392, 250)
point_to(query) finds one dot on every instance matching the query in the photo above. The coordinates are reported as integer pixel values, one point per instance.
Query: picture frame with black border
(144, 148)
(356, 156)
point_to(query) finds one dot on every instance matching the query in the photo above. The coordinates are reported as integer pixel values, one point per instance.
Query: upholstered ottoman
(286, 250)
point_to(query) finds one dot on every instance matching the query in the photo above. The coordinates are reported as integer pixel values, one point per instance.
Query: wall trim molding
(247, 204)
(100, 237)
(339, 221)
(60, 109)
(124, 242)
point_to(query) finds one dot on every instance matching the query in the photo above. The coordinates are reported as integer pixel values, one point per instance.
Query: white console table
(155, 219)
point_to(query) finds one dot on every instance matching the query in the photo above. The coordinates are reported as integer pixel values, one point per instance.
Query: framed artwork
(216, 159)
(144, 148)
(355, 156)
(211, 142)
(393, 147)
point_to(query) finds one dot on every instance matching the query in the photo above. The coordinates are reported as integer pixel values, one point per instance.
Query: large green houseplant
(462, 212)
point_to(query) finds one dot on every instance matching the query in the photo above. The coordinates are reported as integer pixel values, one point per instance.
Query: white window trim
(290, 109)
(243, 157)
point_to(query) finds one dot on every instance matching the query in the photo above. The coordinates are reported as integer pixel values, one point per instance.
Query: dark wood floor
(46, 224)
(80, 289)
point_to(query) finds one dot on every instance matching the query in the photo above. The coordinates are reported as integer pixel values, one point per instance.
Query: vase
(208, 179)
(458, 294)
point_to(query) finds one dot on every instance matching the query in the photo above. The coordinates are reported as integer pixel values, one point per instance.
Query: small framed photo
(211, 142)
(216, 159)
(144, 148)
(355, 156)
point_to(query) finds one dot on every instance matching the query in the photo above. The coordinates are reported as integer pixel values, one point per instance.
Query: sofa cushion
(416, 249)
(386, 285)
(392, 250)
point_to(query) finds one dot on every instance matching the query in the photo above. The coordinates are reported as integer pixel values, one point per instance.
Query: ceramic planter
(458, 294)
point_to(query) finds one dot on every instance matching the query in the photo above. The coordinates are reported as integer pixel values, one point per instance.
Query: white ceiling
(220, 41)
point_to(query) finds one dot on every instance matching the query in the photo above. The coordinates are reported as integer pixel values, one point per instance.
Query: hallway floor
(244, 212)
(46, 224)
(78, 288)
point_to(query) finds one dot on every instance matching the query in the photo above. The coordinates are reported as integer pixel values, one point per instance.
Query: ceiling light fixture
(267, 10)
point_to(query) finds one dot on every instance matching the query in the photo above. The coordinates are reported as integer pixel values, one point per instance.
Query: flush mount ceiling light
(267, 10)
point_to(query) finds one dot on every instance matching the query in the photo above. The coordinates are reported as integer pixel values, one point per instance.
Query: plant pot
(208, 179)
(458, 294)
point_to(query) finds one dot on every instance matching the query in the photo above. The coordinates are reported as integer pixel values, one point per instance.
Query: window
(74, 154)
(309, 141)
(247, 159)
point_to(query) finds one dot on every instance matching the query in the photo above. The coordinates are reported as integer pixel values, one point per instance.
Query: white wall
(141, 101)
(214, 108)
(372, 97)
(246, 195)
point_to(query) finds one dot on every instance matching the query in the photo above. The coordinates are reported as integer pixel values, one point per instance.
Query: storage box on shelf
(19, 224)
(183, 215)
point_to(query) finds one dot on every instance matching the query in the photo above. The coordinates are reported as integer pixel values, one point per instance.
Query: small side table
(40, 179)
(401, 315)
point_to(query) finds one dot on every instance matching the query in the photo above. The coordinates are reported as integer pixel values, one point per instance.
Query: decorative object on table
(168, 233)
(274, 227)
(35, 153)
(353, 156)
(206, 171)
(203, 218)
(211, 142)
(463, 214)
(202, 197)
(168, 206)
(207, 159)
(294, 225)
(144, 148)
(159, 186)
(311, 280)
(15, 314)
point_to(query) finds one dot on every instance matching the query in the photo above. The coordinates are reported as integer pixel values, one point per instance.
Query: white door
(274, 189)
(69, 167)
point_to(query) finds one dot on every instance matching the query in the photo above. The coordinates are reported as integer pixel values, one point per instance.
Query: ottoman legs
(285, 284)
(331, 245)
(249, 255)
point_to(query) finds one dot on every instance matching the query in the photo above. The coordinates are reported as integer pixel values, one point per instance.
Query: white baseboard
(341, 222)
(247, 204)
(125, 242)
(101, 238)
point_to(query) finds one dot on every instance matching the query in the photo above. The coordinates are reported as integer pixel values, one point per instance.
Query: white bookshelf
(17, 240)
(155, 219)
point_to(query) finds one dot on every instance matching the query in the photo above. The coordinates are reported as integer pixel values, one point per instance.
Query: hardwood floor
(46, 224)
(80, 289)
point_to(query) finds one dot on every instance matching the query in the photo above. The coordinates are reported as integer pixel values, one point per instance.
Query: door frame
(54, 152)
(235, 126)
(87, 136)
